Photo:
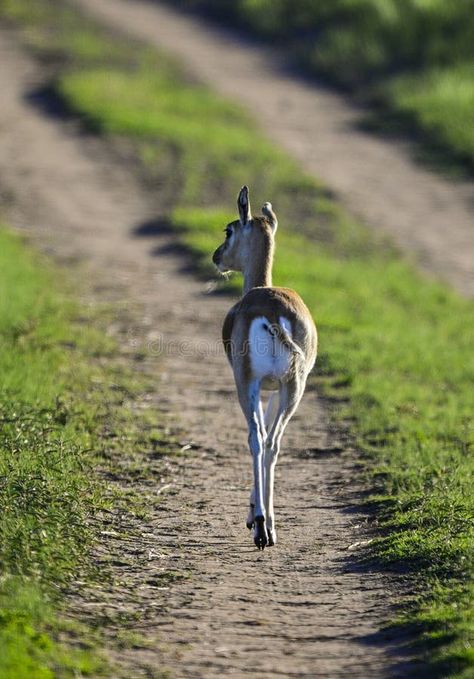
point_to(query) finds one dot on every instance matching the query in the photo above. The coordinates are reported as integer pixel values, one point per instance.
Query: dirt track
(376, 179)
(304, 608)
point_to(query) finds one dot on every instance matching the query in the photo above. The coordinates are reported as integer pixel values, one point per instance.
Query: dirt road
(303, 609)
(376, 179)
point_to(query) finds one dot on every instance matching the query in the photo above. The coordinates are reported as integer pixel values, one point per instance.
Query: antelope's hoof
(249, 524)
(260, 536)
(272, 537)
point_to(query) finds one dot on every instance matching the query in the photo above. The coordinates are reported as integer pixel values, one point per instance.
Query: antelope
(271, 342)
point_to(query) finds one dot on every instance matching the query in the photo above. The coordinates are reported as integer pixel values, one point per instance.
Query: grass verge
(66, 422)
(396, 349)
(48, 429)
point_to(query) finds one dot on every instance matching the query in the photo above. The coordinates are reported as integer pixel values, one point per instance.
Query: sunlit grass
(440, 101)
(47, 427)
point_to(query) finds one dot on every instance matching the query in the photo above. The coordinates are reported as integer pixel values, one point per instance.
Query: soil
(188, 578)
(425, 213)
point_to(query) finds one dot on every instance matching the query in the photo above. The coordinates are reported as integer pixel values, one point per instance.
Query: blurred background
(413, 57)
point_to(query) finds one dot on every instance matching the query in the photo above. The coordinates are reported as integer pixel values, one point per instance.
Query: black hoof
(260, 535)
(271, 538)
(249, 524)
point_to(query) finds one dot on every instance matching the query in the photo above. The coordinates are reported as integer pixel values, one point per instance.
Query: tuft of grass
(398, 346)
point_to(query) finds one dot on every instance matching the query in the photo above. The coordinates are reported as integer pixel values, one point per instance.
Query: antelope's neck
(259, 270)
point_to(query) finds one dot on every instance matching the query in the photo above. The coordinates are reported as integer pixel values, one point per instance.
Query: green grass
(367, 46)
(441, 102)
(28, 630)
(47, 429)
(396, 345)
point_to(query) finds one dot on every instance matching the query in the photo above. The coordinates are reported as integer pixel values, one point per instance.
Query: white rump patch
(269, 358)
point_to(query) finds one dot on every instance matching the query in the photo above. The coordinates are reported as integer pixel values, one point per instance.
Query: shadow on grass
(399, 640)
(46, 99)
(158, 228)
(411, 641)
(152, 228)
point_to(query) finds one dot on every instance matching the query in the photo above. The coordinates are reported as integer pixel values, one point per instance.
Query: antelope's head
(247, 238)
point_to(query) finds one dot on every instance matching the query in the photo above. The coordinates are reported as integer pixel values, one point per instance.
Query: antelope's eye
(228, 232)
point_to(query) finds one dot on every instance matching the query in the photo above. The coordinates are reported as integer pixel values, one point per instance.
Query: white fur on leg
(271, 410)
(271, 457)
(270, 463)
(256, 445)
(289, 400)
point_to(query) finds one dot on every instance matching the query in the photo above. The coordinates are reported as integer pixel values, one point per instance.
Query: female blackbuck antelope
(270, 340)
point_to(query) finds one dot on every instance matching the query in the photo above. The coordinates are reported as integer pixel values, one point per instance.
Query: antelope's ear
(267, 211)
(243, 203)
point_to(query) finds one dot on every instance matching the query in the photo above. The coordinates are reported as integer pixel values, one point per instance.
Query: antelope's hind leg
(290, 395)
(250, 401)
(250, 522)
